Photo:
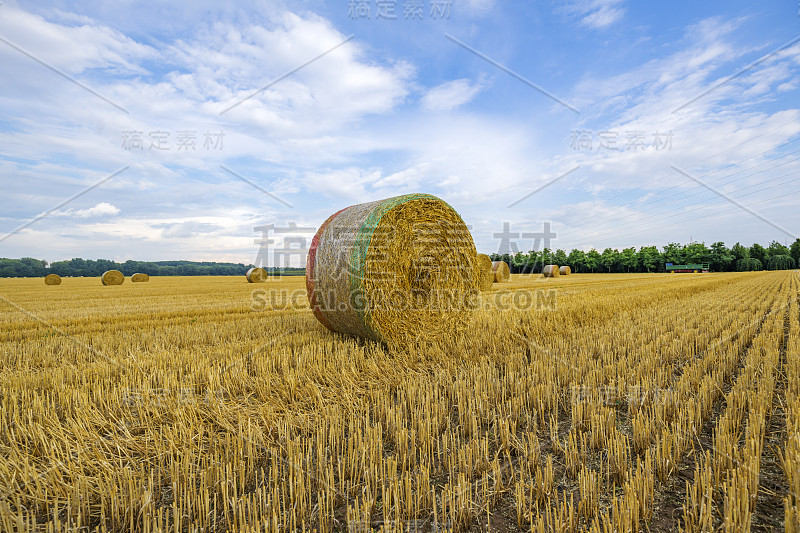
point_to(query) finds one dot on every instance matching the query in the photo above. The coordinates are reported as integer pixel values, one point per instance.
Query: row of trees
(776, 256)
(29, 267)
(646, 259)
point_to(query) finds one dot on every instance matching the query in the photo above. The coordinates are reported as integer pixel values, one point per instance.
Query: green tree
(780, 262)
(739, 252)
(560, 257)
(758, 252)
(31, 268)
(697, 252)
(673, 253)
(577, 260)
(748, 264)
(776, 248)
(8, 268)
(649, 257)
(518, 263)
(794, 251)
(609, 259)
(531, 264)
(627, 258)
(721, 258)
(592, 259)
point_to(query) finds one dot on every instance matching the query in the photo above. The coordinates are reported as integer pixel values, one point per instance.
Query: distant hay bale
(501, 271)
(52, 279)
(139, 278)
(396, 271)
(565, 270)
(485, 272)
(551, 271)
(112, 277)
(256, 275)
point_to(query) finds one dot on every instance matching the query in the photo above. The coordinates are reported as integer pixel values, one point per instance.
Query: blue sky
(225, 118)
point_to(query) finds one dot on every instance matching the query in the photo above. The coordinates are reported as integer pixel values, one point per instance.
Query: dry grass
(182, 408)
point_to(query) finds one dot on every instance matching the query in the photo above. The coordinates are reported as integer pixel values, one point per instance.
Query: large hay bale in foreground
(551, 271)
(140, 278)
(112, 277)
(394, 270)
(256, 275)
(501, 271)
(485, 272)
(52, 279)
(565, 270)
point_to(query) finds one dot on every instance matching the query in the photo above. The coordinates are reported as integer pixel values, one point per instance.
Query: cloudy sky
(152, 130)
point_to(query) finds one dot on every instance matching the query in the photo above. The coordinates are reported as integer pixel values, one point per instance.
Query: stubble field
(589, 402)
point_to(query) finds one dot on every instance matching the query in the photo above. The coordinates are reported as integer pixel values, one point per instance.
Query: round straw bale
(394, 271)
(551, 271)
(256, 275)
(501, 271)
(52, 279)
(112, 277)
(565, 270)
(139, 277)
(485, 272)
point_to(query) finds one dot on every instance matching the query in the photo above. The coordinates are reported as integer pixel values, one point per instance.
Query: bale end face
(52, 279)
(256, 275)
(502, 272)
(551, 271)
(112, 277)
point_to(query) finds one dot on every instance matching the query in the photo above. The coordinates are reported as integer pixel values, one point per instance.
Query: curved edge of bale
(52, 279)
(112, 277)
(485, 272)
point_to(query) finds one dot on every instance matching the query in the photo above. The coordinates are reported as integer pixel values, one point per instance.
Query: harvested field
(647, 400)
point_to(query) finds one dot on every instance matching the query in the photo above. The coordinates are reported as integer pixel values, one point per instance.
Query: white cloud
(348, 183)
(406, 179)
(452, 94)
(478, 7)
(188, 229)
(102, 209)
(596, 14)
(72, 47)
(230, 64)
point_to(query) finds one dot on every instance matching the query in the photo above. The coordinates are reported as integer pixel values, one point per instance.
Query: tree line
(775, 256)
(77, 267)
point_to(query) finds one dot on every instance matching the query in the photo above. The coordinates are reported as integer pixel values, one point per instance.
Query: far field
(627, 402)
